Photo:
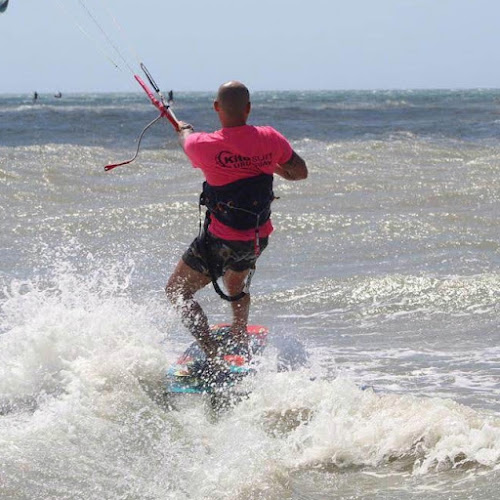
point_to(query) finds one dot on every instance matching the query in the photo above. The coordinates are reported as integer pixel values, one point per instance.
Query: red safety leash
(126, 162)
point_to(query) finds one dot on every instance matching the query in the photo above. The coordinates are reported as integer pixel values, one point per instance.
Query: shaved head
(233, 98)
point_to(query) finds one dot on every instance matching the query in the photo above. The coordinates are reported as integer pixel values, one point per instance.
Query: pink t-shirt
(235, 153)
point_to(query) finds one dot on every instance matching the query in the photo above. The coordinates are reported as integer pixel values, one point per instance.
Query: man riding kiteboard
(238, 162)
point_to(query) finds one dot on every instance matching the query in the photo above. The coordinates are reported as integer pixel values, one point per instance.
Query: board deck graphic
(181, 378)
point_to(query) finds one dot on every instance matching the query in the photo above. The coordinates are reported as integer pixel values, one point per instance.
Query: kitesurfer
(170, 96)
(35, 96)
(238, 162)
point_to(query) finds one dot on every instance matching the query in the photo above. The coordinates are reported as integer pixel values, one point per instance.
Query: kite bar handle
(164, 109)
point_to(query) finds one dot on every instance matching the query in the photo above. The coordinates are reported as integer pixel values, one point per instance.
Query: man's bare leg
(181, 287)
(234, 282)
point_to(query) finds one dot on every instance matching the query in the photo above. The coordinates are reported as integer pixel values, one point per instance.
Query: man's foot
(236, 347)
(212, 374)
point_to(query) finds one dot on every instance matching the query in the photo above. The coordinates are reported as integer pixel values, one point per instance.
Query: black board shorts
(224, 254)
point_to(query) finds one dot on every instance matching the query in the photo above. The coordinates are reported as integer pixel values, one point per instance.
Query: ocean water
(385, 264)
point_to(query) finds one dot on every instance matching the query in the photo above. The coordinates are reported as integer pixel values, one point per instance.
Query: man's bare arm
(185, 129)
(295, 169)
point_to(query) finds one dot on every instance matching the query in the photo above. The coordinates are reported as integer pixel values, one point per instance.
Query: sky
(268, 44)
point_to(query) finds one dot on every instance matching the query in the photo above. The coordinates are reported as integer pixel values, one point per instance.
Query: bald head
(233, 102)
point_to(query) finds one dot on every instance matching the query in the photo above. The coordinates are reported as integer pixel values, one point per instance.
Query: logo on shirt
(226, 159)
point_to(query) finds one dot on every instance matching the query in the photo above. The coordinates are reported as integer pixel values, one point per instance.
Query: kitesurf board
(180, 378)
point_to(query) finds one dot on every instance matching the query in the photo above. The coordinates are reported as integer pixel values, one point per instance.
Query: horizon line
(367, 89)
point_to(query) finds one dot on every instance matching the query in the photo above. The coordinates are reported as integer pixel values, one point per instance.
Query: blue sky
(268, 44)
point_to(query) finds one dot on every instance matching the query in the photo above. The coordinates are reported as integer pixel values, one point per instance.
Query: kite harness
(243, 204)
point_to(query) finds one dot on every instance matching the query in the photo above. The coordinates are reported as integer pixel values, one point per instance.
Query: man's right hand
(185, 129)
(185, 126)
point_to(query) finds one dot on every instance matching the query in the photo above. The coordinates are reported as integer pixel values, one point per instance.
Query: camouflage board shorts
(224, 254)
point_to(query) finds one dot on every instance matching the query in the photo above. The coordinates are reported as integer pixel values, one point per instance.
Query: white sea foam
(81, 364)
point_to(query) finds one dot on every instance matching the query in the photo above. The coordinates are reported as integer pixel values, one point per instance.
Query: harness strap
(232, 205)
(242, 204)
(205, 249)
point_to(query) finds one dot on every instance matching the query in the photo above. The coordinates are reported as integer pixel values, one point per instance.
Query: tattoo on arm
(294, 169)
